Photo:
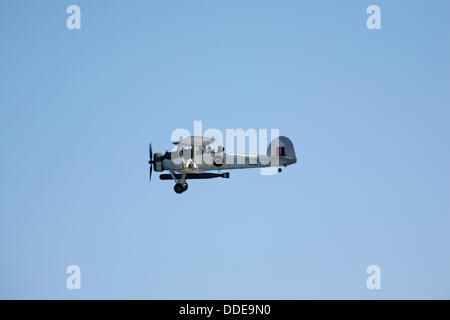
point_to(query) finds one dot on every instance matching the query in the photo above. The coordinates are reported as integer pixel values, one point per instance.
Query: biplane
(194, 157)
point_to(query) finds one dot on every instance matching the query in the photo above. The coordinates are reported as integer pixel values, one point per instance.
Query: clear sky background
(368, 112)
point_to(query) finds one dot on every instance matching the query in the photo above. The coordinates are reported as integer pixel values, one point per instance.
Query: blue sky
(368, 112)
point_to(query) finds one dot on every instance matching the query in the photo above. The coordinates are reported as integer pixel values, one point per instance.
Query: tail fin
(282, 147)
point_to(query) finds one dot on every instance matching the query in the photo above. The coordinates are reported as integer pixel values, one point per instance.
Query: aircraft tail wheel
(279, 169)
(178, 188)
(185, 187)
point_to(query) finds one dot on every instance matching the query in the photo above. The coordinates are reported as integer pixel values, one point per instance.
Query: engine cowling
(158, 158)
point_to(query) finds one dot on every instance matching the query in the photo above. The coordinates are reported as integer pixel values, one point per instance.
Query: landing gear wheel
(185, 186)
(178, 188)
(279, 170)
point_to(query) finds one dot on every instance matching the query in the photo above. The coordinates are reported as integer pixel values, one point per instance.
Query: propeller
(150, 162)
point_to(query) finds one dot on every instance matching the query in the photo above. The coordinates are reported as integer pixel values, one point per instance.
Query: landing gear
(180, 184)
(279, 170)
(178, 188)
